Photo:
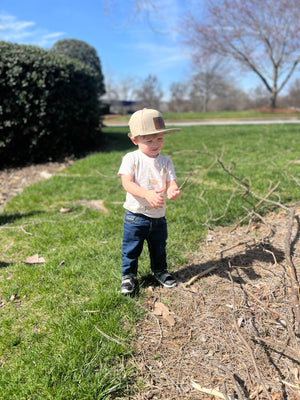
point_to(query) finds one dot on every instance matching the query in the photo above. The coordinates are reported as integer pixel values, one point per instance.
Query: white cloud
(24, 32)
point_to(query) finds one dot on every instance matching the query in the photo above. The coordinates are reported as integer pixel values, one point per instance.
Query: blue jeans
(137, 229)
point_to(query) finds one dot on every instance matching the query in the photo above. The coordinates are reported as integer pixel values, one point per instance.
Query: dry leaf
(170, 319)
(161, 309)
(35, 259)
(64, 210)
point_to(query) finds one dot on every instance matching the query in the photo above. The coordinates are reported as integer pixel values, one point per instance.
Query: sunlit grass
(216, 115)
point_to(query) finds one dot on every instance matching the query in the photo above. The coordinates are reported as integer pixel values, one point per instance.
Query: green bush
(49, 105)
(83, 52)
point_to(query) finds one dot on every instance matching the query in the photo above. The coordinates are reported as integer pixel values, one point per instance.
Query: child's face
(150, 144)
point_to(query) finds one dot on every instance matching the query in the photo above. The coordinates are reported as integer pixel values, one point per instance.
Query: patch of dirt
(14, 180)
(233, 329)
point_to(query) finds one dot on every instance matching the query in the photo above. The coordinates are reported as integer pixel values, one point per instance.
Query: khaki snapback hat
(147, 122)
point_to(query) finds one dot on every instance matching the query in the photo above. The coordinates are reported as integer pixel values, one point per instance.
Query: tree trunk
(273, 99)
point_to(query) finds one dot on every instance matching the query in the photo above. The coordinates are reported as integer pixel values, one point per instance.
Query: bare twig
(244, 341)
(296, 180)
(295, 288)
(212, 392)
(91, 311)
(185, 181)
(109, 337)
(226, 370)
(203, 273)
(210, 210)
(281, 316)
(243, 243)
(103, 175)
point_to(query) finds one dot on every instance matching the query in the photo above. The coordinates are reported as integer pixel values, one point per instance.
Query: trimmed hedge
(83, 52)
(49, 105)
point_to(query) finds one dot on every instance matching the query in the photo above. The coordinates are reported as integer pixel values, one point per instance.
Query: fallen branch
(295, 288)
(185, 181)
(243, 340)
(212, 392)
(281, 316)
(234, 380)
(40, 221)
(203, 273)
(243, 243)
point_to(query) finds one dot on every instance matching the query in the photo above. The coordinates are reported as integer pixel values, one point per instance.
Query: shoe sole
(125, 291)
(164, 284)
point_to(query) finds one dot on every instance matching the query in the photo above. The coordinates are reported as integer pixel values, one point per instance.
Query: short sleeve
(127, 165)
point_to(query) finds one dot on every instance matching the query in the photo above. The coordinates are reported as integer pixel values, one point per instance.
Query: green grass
(219, 115)
(49, 345)
(246, 114)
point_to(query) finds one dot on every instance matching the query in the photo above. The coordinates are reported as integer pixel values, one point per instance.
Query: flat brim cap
(148, 122)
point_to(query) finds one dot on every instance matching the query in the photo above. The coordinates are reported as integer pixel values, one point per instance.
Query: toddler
(149, 179)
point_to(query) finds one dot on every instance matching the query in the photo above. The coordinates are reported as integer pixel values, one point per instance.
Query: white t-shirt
(149, 173)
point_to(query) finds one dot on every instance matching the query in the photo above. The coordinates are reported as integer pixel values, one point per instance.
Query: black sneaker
(127, 285)
(165, 279)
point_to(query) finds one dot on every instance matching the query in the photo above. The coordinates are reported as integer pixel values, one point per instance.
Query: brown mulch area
(231, 330)
(14, 180)
(229, 325)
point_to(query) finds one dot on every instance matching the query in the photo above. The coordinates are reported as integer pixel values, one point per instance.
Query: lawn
(259, 114)
(66, 332)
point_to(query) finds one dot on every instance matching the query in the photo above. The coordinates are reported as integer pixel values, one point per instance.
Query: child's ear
(134, 141)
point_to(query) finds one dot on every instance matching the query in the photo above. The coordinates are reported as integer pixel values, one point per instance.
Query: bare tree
(150, 10)
(207, 80)
(127, 93)
(258, 97)
(150, 94)
(120, 93)
(229, 97)
(293, 95)
(262, 36)
(179, 97)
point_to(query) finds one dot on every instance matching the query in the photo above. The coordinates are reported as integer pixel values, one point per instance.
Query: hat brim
(156, 132)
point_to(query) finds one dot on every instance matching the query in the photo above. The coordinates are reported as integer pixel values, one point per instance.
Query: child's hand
(155, 199)
(173, 194)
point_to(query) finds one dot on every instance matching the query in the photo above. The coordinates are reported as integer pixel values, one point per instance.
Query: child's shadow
(148, 280)
(243, 260)
(4, 264)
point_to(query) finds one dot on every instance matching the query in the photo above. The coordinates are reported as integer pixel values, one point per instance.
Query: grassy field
(219, 115)
(66, 332)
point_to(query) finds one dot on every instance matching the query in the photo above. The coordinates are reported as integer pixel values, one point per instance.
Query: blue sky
(127, 45)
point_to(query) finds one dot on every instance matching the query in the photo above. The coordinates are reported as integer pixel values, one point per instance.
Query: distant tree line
(205, 90)
(260, 37)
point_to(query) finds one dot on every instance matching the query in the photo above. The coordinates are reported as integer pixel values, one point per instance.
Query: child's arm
(152, 196)
(172, 190)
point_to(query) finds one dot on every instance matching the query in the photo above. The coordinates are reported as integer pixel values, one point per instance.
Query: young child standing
(149, 179)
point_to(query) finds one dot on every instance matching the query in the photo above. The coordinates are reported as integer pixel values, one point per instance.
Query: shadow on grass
(108, 141)
(244, 261)
(10, 218)
(115, 141)
(4, 264)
